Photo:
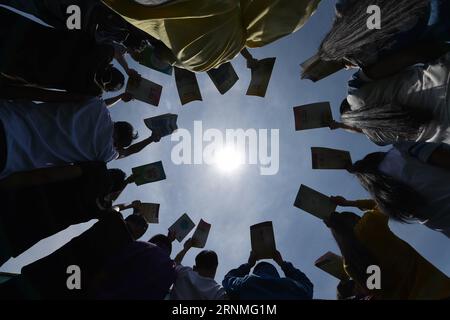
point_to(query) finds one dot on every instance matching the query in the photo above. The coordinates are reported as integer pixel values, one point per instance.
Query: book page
(224, 77)
(149, 173)
(263, 240)
(332, 264)
(325, 158)
(150, 212)
(315, 203)
(187, 86)
(201, 234)
(182, 227)
(261, 77)
(145, 91)
(312, 116)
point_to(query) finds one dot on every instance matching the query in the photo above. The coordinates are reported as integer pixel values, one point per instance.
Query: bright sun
(228, 159)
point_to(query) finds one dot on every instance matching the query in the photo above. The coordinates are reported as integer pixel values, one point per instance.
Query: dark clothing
(112, 265)
(31, 214)
(242, 286)
(50, 58)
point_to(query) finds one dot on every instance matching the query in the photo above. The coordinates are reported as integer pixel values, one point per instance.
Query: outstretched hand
(134, 75)
(340, 201)
(156, 137)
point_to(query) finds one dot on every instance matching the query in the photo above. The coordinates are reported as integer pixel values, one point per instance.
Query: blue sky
(233, 202)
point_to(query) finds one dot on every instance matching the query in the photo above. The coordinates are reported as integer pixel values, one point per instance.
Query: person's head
(393, 197)
(350, 40)
(266, 270)
(386, 123)
(206, 263)
(137, 225)
(163, 242)
(111, 79)
(124, 134)
(115, 184)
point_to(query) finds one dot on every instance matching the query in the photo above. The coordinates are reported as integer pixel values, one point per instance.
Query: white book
(201, 234)
(187, 86)
(326, 158)
(315, 203)
(164, 124)
(182, 227)
(145, 91)
(332, 264)
(312, 116)
(263, 240)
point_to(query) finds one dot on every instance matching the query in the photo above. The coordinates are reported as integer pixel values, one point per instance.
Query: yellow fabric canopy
(203, 34)
(405, 274)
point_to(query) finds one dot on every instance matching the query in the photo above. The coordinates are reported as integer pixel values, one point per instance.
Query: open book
(187, 86)
(314, 202)
(261, 75)
(164, 124)
(263, 240)
(201, 234)
(182, 227)
(149, 173)
(150, 212)
(332, 264)
(325, 158)
(149, 59)
(312, 116)
(145, 90)
(224, 77)
(316, 69)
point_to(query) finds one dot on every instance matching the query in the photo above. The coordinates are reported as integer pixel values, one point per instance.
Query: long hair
(388, 123)
(350, 37)
(393, 197)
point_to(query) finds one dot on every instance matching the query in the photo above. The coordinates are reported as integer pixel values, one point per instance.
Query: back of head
(393, 197)
(206, 263)
(350, 39)
(163, 242)
(266, 270)
(116, 179)
(387, 123)
(124, 134)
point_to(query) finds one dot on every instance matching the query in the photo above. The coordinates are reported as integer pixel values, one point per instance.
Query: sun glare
(228, 159)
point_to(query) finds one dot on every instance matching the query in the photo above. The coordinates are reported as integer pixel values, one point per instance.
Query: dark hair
(163, 242)
(207, 260)
(387, 123)
(116, 180)
(267, 269)
(139, 222)
(124, 134)
(112, 79)
(393, 197)
(350, 38)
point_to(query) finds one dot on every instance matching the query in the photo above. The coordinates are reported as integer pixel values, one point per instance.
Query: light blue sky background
(234, 202)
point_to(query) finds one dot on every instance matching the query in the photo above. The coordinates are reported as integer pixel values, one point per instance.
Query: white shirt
(49, 134)
(192, 286)
(421, 87)
(429, 181)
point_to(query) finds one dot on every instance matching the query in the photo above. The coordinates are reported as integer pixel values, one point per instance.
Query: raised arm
(251, 62)
(295, 274)
(362, 205)
(180, 256)
(235, 278)
(137, 147)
